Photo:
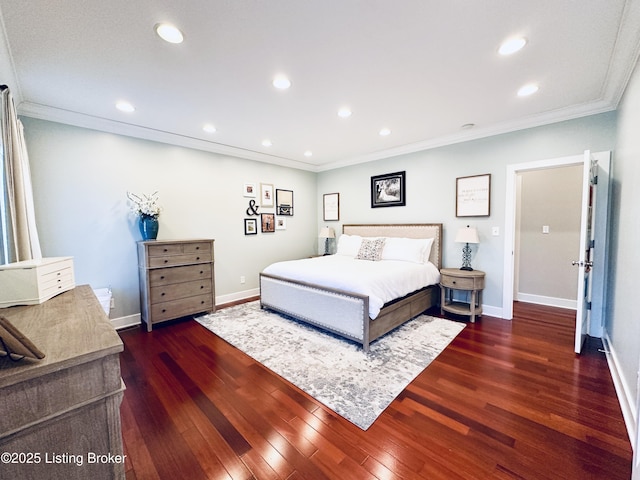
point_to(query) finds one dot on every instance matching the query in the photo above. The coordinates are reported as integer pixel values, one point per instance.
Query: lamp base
(469, 269)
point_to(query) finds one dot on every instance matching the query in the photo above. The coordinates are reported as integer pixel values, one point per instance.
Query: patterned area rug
(336, 372)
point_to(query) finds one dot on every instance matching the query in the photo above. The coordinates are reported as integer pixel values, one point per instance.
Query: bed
(331, 303)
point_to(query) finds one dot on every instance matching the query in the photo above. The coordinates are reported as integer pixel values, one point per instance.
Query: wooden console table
(60, 416)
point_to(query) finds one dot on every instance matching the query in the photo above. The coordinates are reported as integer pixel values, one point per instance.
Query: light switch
(545, 229)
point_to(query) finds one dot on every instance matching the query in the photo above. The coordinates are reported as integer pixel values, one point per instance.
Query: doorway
(601, 215)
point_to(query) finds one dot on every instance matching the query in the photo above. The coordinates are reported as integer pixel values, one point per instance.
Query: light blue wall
(622, 321)
(431, 186)
(80, 179)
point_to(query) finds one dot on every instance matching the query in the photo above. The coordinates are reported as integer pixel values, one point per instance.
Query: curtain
(18, 233)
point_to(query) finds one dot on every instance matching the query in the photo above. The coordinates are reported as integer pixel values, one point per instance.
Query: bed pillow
(371, 249)
(348, 245)
(414, 250)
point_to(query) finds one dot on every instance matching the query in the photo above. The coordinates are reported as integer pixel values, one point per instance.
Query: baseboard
(133, 320)
(234, 297)
(625, 397)
(550, 301)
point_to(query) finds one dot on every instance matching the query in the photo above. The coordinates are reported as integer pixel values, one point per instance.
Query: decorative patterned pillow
(371, 249)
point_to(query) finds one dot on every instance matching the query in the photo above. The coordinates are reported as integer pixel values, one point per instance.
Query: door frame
(600, 262)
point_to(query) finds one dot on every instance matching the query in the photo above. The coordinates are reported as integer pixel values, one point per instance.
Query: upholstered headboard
(415, 230)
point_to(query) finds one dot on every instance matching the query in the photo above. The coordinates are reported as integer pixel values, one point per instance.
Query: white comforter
(381, 281)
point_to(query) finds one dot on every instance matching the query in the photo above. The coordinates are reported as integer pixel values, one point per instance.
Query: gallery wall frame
(268, 221)
(284, 202)
(473, 196)
(266, 195)
(388, 190)
(250, 226)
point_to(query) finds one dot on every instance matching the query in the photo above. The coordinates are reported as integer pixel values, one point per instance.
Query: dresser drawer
(180, 308)
(155, 262)
(165, 276)
(165, 249)
(458, 282)
(176, 291)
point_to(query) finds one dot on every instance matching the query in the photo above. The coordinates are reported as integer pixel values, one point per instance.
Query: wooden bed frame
(347, 313)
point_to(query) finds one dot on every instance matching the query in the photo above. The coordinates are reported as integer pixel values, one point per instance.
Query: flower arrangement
(145, 205)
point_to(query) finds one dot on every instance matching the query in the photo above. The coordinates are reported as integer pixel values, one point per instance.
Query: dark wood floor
(506, 400)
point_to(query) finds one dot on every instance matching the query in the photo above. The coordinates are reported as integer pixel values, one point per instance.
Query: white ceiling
(422, 68)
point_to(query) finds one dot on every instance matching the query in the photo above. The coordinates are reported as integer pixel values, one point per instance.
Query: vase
(148, 227)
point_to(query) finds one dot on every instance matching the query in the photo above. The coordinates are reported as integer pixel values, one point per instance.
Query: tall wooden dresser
(176, 279)
(60, 416)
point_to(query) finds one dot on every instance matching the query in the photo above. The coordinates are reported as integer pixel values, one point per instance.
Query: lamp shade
(327, 232)
(467, 235)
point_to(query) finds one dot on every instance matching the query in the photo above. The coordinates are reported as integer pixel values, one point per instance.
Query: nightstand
(463, 280)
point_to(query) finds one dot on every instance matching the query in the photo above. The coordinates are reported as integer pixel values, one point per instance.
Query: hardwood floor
(506, 400)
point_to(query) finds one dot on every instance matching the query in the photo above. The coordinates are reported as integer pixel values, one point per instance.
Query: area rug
(334, 371)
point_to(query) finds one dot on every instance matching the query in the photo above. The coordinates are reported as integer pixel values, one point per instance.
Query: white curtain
(18, 233)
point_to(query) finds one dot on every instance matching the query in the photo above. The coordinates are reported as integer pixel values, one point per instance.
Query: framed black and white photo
(250, 226)
(281, 223)
(331, 207)
(268, 221)
(388, 190)
(284, 202)
(473, 196)
(266, 195)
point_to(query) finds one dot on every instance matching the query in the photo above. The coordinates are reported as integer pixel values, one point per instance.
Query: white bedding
(381, 281)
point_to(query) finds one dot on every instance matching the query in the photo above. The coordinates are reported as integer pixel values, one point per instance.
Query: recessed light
(528, 89)
(384, 132)
(169, 33)
(512, 45)
(308, 153)
(266, 142)
(344, 112)
(125, 106)
(281, 82)
(209, 128)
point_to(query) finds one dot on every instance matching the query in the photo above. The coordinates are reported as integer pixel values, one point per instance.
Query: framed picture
(281, 223)
(268, 222)
(266, 195)
(331, 207)
(249, 190)
(250, 226)
(388, 190)
(473, 196)
(284, 202)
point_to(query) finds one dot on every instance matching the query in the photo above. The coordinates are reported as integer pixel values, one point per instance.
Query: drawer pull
(197, 248)
(164, 310)
(162, 277)
(166, 261)
(201, 287)
(202, 302)
(165, 250)
(197, 258)
(162, 294)
(454, 282)
(201, 272)
(59, 273)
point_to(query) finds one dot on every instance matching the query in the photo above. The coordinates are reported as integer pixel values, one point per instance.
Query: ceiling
(422, 68)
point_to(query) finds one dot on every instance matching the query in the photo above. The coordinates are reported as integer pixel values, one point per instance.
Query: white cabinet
(34, 281)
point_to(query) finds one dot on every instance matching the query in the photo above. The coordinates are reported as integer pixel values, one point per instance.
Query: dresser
(176, 279)
(469, 281)
(31, 282)
(60, 416)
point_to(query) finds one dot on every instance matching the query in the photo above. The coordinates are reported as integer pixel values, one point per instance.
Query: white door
(585, 260)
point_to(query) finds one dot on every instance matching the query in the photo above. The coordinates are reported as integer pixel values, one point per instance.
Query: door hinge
(588, 305)
(592, 244)
(595, 180)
